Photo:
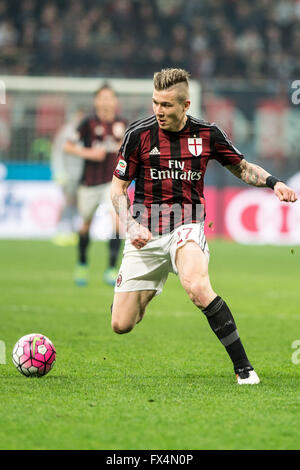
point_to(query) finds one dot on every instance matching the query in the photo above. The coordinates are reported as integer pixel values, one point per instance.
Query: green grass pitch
(169, 383)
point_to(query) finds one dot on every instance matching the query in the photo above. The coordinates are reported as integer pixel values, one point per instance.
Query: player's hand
(97, 153)
(139, 235)
(284, 193)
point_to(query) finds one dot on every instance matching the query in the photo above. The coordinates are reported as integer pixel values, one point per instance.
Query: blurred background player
(66, 171)
(101, 134)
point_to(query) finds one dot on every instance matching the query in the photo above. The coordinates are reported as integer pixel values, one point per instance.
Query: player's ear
(187, 104)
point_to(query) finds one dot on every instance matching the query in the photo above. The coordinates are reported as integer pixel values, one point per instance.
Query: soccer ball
(34, 355)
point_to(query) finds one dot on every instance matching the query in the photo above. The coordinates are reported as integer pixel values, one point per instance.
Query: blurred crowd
(133, 38)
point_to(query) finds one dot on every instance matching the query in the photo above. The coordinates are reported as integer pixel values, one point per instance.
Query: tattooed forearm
(121, 204)
(249, 173)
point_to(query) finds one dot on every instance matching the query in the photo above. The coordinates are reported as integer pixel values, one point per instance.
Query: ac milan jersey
(92, 132)
(169, 168)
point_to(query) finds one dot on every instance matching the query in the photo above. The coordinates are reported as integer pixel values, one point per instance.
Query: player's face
(106, 102)
(169, 110)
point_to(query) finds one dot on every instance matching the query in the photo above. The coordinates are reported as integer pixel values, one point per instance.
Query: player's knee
(121, 326)
(193, 287)
(198, 290)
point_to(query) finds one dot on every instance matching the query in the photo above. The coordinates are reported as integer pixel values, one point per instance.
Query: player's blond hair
(169, 77)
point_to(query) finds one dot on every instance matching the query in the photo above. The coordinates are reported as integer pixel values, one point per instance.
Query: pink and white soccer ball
(34, 355)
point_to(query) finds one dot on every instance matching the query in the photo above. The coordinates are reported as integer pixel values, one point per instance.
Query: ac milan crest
(195, 146)
(118, 129)
(119, 280)
(99, 130)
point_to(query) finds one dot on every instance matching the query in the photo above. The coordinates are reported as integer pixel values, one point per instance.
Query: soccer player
(98, 140)
(167, 154)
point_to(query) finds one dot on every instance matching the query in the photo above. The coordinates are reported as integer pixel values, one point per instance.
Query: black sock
(223, 325)
(84, 241)
(114, 248)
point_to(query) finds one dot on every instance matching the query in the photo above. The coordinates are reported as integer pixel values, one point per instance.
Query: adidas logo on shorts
(154, 151)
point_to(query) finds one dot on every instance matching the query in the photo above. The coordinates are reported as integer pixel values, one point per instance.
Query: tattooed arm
(249, 173)
(254, 175)
(138, 234)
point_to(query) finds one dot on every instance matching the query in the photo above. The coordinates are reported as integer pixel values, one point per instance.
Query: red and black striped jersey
(91, 132)
(169, 168)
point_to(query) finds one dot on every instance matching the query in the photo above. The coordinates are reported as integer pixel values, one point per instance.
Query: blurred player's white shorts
(148, 268)
(70, 188)
(89, 198)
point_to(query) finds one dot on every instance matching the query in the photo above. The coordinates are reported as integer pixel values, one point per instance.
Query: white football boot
(247, 376)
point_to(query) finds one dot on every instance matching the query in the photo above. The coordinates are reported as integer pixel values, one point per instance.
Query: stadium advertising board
(253, 216)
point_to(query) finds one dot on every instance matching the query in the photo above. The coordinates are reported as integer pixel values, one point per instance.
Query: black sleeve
(128, 156)
(223, 149)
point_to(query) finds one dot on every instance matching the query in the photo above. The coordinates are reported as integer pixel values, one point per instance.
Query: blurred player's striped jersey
(169, 167)
(92, 132)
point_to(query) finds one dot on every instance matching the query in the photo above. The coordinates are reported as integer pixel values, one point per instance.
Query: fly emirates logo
(176, 171)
